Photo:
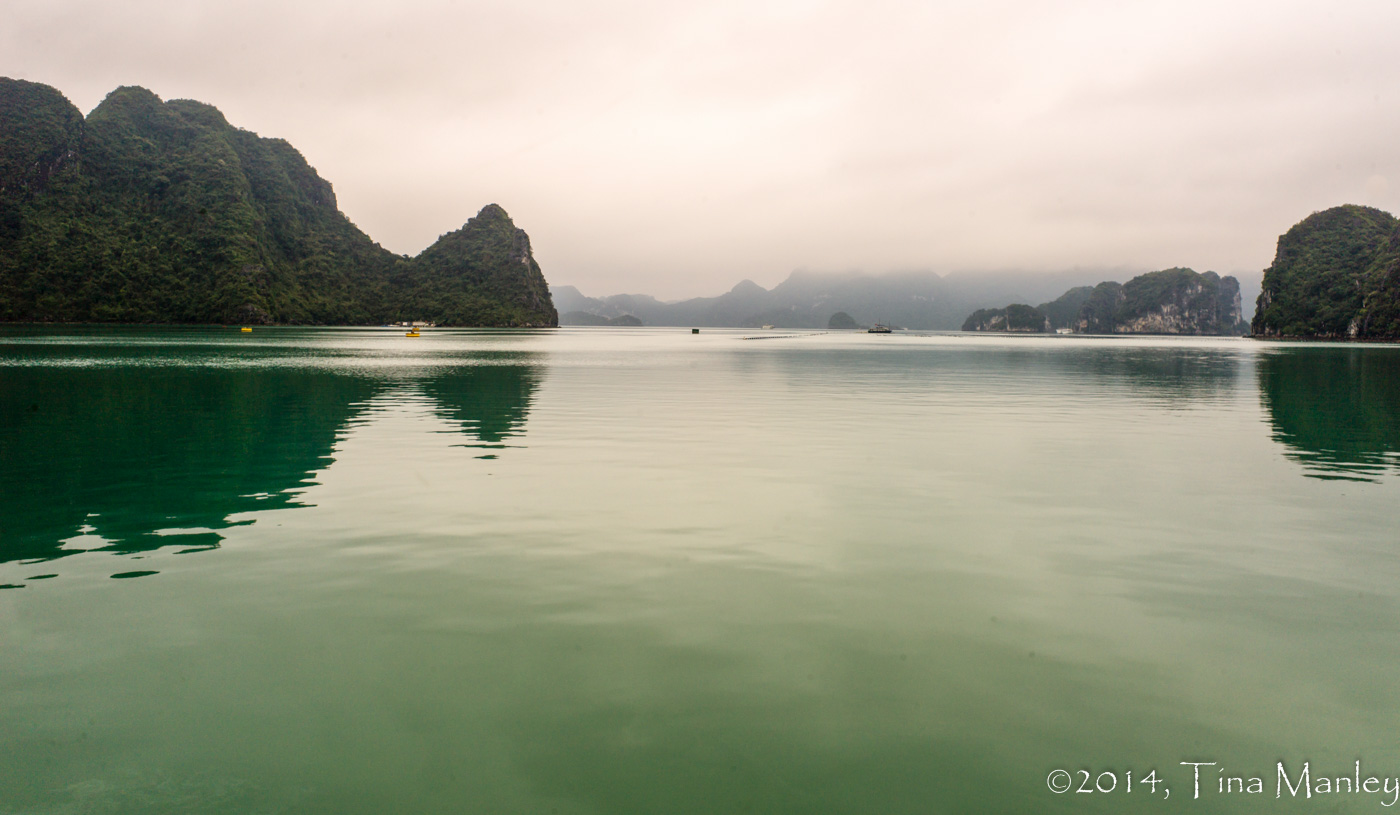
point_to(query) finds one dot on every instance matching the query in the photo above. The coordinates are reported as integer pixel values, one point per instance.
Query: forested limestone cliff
(1336, 275)
(162, 212)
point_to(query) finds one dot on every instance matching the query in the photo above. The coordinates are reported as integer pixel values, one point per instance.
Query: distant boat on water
(879, 329)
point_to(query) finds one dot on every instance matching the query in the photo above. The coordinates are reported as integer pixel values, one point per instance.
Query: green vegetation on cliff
(1098, 314)
(1017, 317)
(482, 274)
(1336, 274)
(1064, 310)
(152, 211)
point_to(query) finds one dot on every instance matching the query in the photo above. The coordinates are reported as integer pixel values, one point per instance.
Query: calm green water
(640, 571)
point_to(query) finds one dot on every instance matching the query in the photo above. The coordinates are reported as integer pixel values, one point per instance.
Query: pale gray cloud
(676, 148)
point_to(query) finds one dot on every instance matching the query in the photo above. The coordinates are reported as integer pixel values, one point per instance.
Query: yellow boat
(245, 328)
(413, 332)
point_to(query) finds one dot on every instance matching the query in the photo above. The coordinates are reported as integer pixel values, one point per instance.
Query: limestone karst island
(152, 211)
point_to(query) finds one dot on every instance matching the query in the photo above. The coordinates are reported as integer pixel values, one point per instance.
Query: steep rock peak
(491, 212)
(489, 256)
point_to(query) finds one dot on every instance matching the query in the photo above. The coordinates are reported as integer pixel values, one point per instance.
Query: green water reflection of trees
(132, 455)
(1336, 409)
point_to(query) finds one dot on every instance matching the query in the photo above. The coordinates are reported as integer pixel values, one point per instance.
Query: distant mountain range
(916, 300)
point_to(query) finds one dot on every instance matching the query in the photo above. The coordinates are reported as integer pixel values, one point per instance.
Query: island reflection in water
(1336, 409)
(130, 459)
(487, 403)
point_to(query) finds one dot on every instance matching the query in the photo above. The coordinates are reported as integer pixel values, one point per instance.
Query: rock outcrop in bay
(162, 212)
(481, 274)
(841, 321)
(1335, 275)
(1016, 318)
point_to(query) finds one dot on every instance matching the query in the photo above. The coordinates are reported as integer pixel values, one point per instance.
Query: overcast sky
(676, 148)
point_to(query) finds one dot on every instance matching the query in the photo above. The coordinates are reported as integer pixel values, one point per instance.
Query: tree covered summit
(1335, 275)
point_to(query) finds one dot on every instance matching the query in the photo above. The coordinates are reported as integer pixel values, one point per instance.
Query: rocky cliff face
(1335, 275)
(1172, 301)
(1180, 301)
(162, 211)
